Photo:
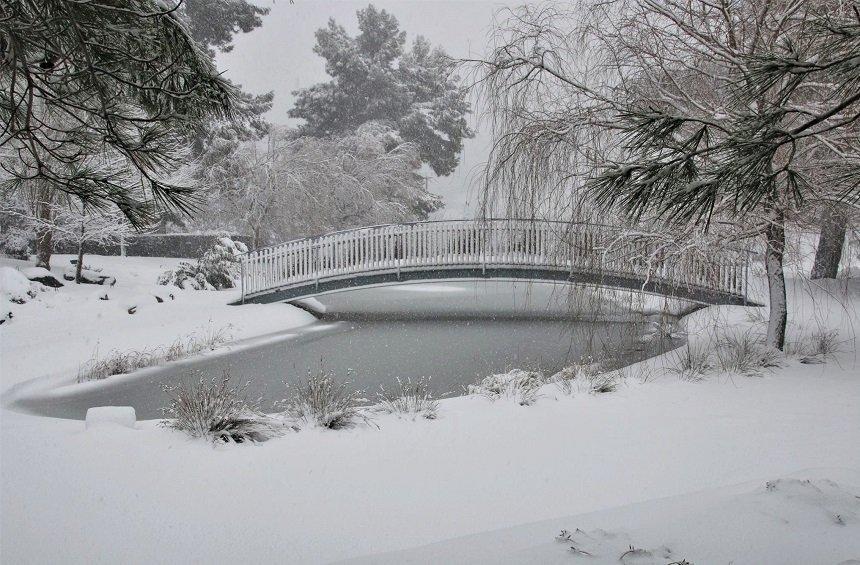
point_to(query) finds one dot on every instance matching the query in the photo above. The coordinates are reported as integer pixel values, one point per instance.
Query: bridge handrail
(483, 243)
(465, 221)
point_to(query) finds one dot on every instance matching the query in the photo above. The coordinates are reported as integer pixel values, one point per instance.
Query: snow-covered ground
(60, 329)
(710, 471)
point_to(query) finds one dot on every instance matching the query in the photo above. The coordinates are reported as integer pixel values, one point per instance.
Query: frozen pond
(431, 338)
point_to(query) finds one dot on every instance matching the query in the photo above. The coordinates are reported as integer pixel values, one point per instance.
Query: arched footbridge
(491, 249)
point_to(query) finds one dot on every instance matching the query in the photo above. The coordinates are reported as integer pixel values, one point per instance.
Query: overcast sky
(279, 57)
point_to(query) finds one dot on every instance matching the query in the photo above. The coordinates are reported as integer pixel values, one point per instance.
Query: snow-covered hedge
(217, 269)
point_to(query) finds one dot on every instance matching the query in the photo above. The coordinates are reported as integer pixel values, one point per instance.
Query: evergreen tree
(213, 23)
(375, 79)
(92, 95)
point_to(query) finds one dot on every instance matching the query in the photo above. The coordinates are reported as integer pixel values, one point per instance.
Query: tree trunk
(80, 264)
(774, 253)
(255, 244)
(44, 234)
(834, 223)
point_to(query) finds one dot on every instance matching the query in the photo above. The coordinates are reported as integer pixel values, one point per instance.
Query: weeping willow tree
(94, 98)
(691, 119)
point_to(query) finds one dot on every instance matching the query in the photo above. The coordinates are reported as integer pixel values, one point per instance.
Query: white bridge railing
(490, 245)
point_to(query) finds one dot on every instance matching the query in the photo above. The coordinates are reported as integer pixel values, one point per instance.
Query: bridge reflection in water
(531, 250)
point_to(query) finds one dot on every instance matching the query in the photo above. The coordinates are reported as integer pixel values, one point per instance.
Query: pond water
(453, 350)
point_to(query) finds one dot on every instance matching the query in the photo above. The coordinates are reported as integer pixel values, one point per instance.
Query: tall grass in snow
(409, 399)
(745, 354)
(122, 362)
(325, 403)
(821, 343)
(518, 385)
(691, 362)
(218, 411)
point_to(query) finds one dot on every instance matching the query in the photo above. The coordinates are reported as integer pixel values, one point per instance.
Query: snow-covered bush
(16, 243)
(217, 269)
(413, 399)
(218, 411)
(516, 384)
(325, 403)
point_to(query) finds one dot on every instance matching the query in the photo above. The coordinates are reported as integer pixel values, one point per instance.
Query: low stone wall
(180, 245)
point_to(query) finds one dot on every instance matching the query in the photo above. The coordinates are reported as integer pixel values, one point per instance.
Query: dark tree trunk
(774, 253)
(255, 244)
(44, 235)
(834, 223)
(80, 264)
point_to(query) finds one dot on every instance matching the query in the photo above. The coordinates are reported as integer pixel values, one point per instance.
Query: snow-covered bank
(59, 330)
(151, 495)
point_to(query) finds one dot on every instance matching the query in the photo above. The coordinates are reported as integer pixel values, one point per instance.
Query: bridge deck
(492, 249)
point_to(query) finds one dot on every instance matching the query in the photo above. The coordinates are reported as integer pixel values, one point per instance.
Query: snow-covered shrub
(413, 399)
(218, 411)
(519, 385)
(745, 354)
(217, 269)
(16, 243)
(186, 275)
(323, 402)
(691, 362)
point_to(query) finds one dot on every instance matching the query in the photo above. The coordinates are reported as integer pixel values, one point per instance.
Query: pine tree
(213, 23)
(374, 78)
(93, 97)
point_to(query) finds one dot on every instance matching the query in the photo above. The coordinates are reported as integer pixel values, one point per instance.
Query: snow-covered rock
(42, 275)
(124, 416)
(90, 277)
(13, 283)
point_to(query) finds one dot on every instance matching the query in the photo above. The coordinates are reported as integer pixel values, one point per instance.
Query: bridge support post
(242, 275)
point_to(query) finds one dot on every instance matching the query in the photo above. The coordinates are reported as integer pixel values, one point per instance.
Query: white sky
(278, 56)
